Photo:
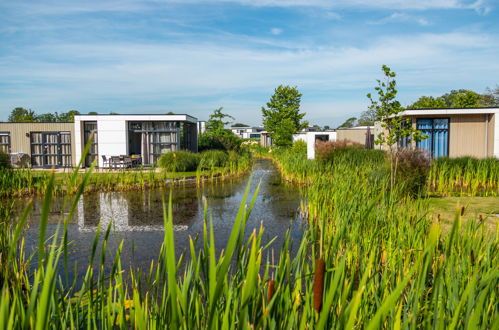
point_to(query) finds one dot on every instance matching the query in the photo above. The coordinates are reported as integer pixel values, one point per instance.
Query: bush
(347, 151)
(213, 158)
(179, 161)
(413, 167)
(300, 147)
(4, 160)
(225, 141)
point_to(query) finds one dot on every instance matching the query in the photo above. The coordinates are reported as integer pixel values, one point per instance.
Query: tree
(239, 125)
(46, 118)
(350, 122)
(428, 102)
(283, 111)
(21, 115)
(216, 135)
(491, 97)
(68, 117)
(326, 127)
(93, 113)
(367, 118)
(394, 127)
(217, 121)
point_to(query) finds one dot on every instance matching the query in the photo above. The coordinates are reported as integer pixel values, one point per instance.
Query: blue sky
(192, 56)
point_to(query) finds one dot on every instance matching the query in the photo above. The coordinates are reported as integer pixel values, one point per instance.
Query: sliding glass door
(437, 132)
(50, 149)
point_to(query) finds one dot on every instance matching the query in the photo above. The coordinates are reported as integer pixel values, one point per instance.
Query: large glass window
(89, 128)
(437, 132)
(50, 149)
(5, 142)
(152, 139)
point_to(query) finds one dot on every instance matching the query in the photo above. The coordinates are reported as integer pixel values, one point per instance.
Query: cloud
(194, 76)
(276, 31)
(402, 18)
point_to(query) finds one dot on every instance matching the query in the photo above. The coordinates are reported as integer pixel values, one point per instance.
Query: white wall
(311, 141)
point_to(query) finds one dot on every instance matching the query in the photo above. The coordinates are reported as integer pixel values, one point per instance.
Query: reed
(464, 176)
(382, 263)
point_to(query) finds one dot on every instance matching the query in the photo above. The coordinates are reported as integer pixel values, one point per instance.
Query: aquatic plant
(179, 161)
(464, 176)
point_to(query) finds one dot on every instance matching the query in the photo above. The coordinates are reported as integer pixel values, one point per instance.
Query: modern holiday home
(455, 132)
(126, 139)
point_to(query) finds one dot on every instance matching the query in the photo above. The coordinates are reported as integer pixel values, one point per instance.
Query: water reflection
(137, 217)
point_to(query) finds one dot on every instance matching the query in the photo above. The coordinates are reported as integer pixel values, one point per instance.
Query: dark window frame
(59, 155)
(9, 142)
(432, 130)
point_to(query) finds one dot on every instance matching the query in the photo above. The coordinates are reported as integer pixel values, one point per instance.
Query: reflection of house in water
(119, 208)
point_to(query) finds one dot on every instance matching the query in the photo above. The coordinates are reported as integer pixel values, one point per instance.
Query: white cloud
(197, 76)
(276, 31)
(402, 17)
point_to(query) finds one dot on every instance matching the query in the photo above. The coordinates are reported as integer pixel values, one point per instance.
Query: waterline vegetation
(370, 257)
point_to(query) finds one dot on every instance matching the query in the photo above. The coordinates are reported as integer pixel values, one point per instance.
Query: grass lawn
(448, 206)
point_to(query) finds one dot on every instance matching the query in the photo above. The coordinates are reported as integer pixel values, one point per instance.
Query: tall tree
(394, 127)
(462, 98)
(22, 115)
(350, 122)
(46, 117)
(491, 97)
(217, 121)
(428, 102)
(282, 117)
(68, 117)
(216, 135)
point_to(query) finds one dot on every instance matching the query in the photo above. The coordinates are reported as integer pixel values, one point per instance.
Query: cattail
(480, 217)
(438, 217)
(462, 210)
(356, 277)
(472, 257)
(270, 292)
(319, 283)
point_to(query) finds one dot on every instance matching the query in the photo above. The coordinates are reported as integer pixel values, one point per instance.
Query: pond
(137, 217)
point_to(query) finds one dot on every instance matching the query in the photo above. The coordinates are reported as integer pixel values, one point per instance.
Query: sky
(194, 56)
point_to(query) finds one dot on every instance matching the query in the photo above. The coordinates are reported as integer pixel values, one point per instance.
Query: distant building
(246, 132)
(455, 132)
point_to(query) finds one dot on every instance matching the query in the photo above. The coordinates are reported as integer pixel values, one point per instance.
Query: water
(137, 217)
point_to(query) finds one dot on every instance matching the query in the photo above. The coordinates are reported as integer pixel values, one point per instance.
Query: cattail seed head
(271, 288)
(472, 257)
(462, 210)
(320, 267)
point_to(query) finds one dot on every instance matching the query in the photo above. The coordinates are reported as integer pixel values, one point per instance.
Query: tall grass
(23, 182)
(466, 176)
(370, 258)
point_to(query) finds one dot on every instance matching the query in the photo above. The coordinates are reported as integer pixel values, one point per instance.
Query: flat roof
(138, 117)
(449, 111)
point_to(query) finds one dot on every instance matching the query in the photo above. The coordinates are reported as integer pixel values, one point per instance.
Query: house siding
(354, 135)
(19, 142)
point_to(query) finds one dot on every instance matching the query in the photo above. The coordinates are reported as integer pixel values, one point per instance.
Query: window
(89, 128)
(405, 142)
(437, 132)
(255, 136)
(5, 142)
(50, 149)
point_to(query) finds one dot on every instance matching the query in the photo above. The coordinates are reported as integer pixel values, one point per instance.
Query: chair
(105, 161)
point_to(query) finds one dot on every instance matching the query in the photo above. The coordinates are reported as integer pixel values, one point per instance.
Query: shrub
(413, 167)
(179, 161)
(347, 151)
(213, 158)
(4, 160)
(225, 141)
(300, 147)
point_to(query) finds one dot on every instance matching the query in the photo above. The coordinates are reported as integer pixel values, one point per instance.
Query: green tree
(46, 118)
(462, 98)
(216, 135)
(394, 127)
(491, 97)
(350, 122)
(428, 102)
(217, 121)
(93, 113)
(283, 111)
(367, 118)
(239, 125)
(67, 117)
(21, 115)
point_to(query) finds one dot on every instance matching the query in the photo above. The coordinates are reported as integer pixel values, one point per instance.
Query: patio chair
(105, 161)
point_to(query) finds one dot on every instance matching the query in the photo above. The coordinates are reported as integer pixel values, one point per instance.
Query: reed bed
(25, 182)
(464, 176)
(370, 258)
